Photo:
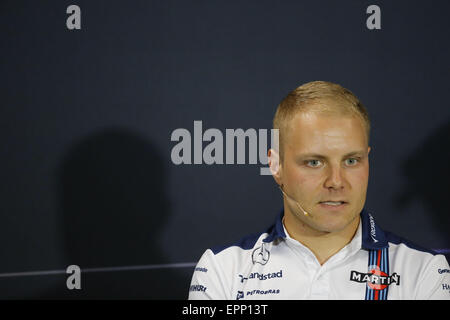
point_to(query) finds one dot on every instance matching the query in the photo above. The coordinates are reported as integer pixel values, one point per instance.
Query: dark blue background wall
(86, 117)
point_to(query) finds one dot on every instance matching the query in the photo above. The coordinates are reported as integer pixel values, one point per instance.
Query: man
(324, 244)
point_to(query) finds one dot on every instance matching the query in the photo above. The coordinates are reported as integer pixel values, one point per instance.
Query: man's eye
(351, 161)
(313, 163)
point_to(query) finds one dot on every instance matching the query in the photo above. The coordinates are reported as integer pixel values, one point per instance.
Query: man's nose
(335, 178)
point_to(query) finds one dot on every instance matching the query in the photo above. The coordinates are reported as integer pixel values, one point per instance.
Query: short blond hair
(322, 97)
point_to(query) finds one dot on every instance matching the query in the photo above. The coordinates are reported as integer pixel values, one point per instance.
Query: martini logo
(375, 278)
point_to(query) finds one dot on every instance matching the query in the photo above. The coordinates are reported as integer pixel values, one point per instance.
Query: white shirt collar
(348, 250)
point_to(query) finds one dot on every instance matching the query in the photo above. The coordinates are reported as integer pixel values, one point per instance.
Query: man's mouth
(333, 203)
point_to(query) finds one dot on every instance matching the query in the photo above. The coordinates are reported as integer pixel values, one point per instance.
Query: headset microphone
(296, 202)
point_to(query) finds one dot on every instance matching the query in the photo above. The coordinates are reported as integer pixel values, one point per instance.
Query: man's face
(325, 159)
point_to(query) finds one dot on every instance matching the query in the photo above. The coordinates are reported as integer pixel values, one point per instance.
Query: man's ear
(275, 165)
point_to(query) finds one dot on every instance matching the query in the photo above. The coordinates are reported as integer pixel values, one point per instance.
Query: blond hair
(322, 97)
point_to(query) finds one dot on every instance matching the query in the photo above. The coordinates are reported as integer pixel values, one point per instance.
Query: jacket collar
(373, 237)
(276, 231)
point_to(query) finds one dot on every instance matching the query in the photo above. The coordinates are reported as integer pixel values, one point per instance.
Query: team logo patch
(375, 278)
(261, 255)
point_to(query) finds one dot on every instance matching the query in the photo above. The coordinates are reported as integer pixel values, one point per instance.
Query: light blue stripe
(382, 260)
(368, 290)
(381, 292)
(374, 262)
(387, 271)
(385, 267)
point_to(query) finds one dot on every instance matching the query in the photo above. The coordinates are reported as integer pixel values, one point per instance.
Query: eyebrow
(319, 156)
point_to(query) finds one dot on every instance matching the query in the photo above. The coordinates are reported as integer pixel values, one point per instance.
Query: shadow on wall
(427, 175)
(114, 209)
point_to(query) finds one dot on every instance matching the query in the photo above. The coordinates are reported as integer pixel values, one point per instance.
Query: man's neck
(323, 244)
